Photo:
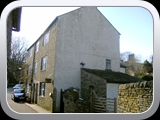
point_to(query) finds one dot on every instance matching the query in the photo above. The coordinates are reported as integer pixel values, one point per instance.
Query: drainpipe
(31, 95)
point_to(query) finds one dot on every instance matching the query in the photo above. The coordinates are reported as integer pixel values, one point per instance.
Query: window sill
(43, 70)
(42, 96)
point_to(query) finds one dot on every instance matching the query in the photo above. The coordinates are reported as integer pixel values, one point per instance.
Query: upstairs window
(30, 52)
(29, 69)
(45, 39)
(37, 46)
(44, 63)
(35, 66)
(108, 64)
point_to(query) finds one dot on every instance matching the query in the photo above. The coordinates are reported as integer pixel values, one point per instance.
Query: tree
(147, 77)
(132, 63)
(124, 56)
(147, 67)
(146, 71)
(16, 59)
(151, 59)
(24, 75)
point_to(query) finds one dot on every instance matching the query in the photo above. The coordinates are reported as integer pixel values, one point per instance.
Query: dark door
(36, 91)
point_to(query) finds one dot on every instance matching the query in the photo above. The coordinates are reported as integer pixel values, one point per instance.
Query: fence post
(61, 102)
(115, 105)
(91, 99)
(106, 106)
(54, 100)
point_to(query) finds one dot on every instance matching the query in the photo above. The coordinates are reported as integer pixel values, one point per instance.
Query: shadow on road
(20, 102)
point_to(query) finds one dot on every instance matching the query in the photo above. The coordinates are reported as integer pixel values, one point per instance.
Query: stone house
(82, 38)
(132, 61)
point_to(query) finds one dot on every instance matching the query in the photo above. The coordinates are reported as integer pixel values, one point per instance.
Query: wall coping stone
(144, 84)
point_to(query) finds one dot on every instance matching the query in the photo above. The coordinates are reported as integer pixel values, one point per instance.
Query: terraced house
(82, 38)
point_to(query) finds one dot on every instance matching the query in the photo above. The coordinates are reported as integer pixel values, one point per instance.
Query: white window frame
(37, 46)
(42, 89)
(30, 52)
(44, 63)
(35, 66)
(108, 64)
(29, 69)
(45, 38)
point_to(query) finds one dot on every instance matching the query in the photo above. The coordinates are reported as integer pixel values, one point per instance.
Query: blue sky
(135, 25)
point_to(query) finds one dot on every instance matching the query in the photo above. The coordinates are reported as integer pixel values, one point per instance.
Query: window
(29, 69)
(44, 63)
(30, 52)
(45, 38)
(35, 66)
(37, 46)
(108, 64)
(42, 89)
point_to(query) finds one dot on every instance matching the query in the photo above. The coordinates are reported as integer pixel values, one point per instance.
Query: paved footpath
(37, 108)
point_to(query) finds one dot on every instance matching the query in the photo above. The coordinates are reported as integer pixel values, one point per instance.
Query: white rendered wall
(112, 90)
(83, 35)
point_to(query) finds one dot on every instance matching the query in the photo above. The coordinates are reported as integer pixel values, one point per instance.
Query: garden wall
(135, 97)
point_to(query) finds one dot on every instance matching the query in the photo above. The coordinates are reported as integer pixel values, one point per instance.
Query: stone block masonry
(72, 102)
(98, 83)
(135, 97)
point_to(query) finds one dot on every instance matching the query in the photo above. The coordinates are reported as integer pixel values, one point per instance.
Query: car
(18, 86)
(18, 94)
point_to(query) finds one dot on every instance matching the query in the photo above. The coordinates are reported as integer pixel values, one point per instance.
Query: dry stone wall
(72, 102)
(135, 97)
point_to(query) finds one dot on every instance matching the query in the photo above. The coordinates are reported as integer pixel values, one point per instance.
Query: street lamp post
(20, 74)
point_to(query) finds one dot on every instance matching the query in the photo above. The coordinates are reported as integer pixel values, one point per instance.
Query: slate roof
(113, 77)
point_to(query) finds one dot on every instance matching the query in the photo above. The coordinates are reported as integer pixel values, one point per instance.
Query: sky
(135, 24)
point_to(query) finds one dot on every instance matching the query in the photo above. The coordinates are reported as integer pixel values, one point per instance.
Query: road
(20, 106)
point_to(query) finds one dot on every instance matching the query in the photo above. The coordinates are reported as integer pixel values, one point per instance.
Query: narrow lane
(19, 107)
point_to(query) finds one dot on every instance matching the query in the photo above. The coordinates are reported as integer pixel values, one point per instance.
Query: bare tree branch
(17, 58)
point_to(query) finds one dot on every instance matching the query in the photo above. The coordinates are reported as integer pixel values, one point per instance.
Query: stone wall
(78, 101)
(46, 101)
(98, 83)
(135, 97)
(72, 102)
